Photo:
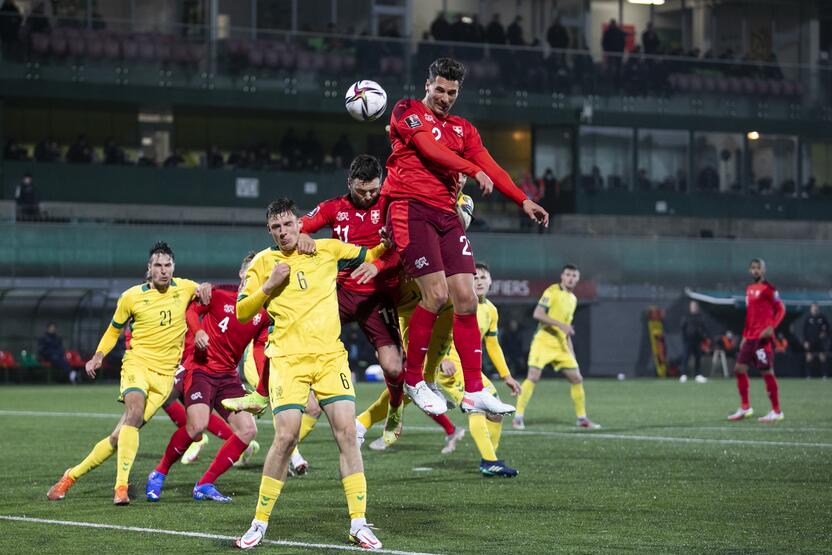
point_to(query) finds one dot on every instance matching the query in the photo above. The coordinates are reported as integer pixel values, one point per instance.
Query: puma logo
(361, 215)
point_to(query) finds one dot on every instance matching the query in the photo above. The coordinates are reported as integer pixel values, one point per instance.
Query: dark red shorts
(428, 239)
(756, 353)
(179, 383)
(375, 314)
(210, 388)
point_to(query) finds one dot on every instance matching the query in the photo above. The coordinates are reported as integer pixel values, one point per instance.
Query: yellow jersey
(560, 305)
(487, 319)
(159, 326)
(305, 307)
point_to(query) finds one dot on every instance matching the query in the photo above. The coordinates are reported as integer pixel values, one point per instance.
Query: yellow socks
(355, 488)
(269, 492)
(526, 392)
(128, 446)
(102, 451)
(479, 431)
(495, 430)
(377, 412)
(307, 424)
(578, 399)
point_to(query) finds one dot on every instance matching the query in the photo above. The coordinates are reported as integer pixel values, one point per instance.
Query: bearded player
(764, 312)
(432, 153)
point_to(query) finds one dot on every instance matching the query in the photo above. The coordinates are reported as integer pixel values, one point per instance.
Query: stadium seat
(8, 361)
(29, 361)
(74, 359)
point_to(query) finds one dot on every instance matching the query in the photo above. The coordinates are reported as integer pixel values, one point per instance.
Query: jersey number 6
(302, 280)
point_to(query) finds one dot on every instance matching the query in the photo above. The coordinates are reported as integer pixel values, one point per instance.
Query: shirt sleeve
(124, 310)
(351, 256)
(252, 298)
(442, 156)
(546, 299)
(193, 315)
(407, 122)
(390, 259)
(317, 219)
(473, 142)
(502, 180)
(779, 308)
(187, 285)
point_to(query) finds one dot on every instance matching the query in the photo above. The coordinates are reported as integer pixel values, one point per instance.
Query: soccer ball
(365, 100)
(465, 208)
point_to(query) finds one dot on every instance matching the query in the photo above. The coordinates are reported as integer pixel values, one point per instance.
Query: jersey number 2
(166, 317)
(466, 246)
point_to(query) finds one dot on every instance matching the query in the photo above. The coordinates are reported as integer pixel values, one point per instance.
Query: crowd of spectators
(293, 152)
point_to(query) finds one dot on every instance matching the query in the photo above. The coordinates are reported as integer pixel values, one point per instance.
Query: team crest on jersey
(375, 216)
(342, 216)
(421, 263)
(197, 395)
(229, 308)
(313, 212)
(429, 118)
(256, 319)
(413, 121)
(457, 129)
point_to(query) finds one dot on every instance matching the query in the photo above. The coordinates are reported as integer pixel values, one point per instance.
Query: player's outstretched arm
(369, 270)
(504, 184)
(108, 341)
(443, 156)
(498, 359)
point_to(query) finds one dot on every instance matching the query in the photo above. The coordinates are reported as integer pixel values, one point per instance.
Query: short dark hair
(447, 68)
(365, 168)
(249, 257)
(569, 267)
(482, 266)
(281, 206)
(759, 261)
(161, 247)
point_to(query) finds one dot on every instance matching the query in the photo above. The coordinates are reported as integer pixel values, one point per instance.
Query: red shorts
(179, 383)
(756, 353)
(210, 388)
(375, 313)
(428, 239)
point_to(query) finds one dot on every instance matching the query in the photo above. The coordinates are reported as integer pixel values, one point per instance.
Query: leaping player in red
(764, 312)
(433, 151)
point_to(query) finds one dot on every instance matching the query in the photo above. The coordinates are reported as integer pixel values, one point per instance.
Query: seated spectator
(26, 200)
(47, 151)
(213, 158)
(39, 19)
(495, 33)
(290, 150)
(809, 188)
(781, 344)
(145, 160)
(113, 154)
(708, 179)
(80, 151)
(313, 152)
(342, 152)
(10, 22)
(51, 350)
(239, 159)
(642, 181)
(13, 151)
(440, 28)
(724, 347)
(175, 160)
(261, 157)
(514, 33)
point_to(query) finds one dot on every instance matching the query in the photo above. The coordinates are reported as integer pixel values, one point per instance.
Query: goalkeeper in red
(764, 312)
(433, 151)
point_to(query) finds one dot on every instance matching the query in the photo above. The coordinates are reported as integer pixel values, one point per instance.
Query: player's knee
(247, 431)
(195, 429)
(313, 410)
(285, 440)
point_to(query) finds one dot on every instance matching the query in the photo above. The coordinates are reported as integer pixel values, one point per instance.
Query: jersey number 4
(223, 324)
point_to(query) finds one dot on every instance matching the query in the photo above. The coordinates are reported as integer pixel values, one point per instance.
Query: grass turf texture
(738, 487)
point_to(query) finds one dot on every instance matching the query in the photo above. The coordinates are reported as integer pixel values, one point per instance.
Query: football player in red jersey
(433, 151)
(357, 218)
(764, 312)
(211, 376)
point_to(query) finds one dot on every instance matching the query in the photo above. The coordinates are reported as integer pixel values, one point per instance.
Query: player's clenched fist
(279, 274)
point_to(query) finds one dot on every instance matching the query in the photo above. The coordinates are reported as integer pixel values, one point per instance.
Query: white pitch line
(200, 535)
(566, 435)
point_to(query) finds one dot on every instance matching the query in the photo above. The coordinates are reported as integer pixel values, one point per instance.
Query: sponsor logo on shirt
(313, 212)
(361, 215)
(342, 216)
(229, 308)
(421, 263)
(413, 121)
(457, 129)
(375, 216)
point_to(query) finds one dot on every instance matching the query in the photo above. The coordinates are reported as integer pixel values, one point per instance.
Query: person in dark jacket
(693, 333)
(815, 334)
(51, 350)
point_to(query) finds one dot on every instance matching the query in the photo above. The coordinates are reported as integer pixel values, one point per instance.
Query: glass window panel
(662, 160)
(817, 168)
(606, 155)
(274, 14)
(717, 162)
(553, 151)
(773, 164)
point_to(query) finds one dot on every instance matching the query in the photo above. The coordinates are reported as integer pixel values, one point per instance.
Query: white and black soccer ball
(365, 100)
(465, 209)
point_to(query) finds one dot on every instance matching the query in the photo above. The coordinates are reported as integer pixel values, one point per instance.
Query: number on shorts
(223, 324)
(437, 134)
(345, 236)
(761, 356)
(166, 317)
(466, 247)
(388, 315)
(302, 280)
(344, 381)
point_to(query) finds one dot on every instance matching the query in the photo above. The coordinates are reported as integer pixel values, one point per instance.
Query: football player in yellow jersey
(157, 309)
(552, 344)
(305, 353)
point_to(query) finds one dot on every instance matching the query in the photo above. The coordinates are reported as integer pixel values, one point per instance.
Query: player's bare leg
(298, 466)
(243, 431)
(773, 390)
(275, 468)
(468, 343)
(527, 390)
(745, 410)
(341, 415)
(390, 359)
(180, 442)
(576, 391)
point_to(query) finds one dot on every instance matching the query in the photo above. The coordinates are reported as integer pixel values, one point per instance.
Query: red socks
(742, 387)
(228, 454)
(421, 327)
(445, 422)
(469, 346)
(178, 444)
(176, 411)
(263, 382)
(395, 387)
(219, 428)
(773, 391)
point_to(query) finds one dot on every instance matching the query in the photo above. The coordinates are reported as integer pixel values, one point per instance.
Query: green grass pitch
(666, 474)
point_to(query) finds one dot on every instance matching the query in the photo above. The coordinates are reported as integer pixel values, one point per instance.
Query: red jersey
(763, 309)
(359, 226)
(411, 175)
(227, 337)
